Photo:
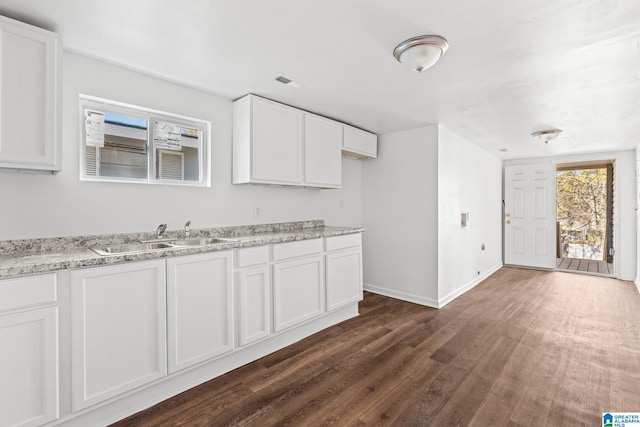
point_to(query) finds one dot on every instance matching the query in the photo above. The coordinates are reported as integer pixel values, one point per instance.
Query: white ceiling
(513, 67)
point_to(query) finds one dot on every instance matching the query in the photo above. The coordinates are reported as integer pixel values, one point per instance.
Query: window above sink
(127, 143)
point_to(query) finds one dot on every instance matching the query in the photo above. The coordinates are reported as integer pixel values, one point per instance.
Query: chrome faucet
(187, 230)
(160, 231)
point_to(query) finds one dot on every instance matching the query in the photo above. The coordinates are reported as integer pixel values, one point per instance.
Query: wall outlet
(257, 211)
(482, 247)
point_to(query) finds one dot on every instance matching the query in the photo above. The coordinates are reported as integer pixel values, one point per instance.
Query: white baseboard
(637, 282)
(430, 302)
(404, 296)
(470, 285)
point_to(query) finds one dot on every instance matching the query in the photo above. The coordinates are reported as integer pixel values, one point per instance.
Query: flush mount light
(421, 52)
(546, 135)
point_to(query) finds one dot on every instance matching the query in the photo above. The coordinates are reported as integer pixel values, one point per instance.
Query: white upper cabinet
(281, 145)
(359, 144)
(30, 82)
(322, 157)
(267, 142)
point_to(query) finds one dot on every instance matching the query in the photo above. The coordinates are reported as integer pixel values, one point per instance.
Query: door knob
(507, 215)
(508, 222)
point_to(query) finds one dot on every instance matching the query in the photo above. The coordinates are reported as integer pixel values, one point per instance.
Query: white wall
(46, 206)
(625, 220)
(400, 215)
(469, 180)
(638, 216)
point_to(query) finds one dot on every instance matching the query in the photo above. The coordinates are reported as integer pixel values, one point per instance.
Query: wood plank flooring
(584, 265)
(523, 348)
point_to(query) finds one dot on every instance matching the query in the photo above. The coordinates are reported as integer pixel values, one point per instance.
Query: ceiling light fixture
(546, 135)
(421, 52)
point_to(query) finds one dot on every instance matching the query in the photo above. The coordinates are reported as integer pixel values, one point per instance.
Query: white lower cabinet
(253, 294)
(138, 324)
(199, 308)
(344, 278)
(29, 367)
(298, 291)
(118, 330)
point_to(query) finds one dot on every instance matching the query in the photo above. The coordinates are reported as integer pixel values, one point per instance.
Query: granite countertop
(35, 256)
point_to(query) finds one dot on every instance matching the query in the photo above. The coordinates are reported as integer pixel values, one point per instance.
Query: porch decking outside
(584, 265)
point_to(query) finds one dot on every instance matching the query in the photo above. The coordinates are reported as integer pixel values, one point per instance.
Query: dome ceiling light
(421, 52)
(546, 135)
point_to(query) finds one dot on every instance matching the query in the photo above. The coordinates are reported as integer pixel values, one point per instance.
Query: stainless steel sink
(153, 246)
(201, 241)
(132, 248)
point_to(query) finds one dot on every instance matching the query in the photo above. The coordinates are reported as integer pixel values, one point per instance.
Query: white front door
(529, 215)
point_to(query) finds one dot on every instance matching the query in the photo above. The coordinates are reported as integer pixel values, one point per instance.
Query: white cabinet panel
(29, 97)
(298, 291)
(22, 292)
(322, 151)
(199, 302)
(29, 368)
(296, 249)
(247, 257)
(254, 304)
(343, 242)
(118, 329)
(267, 142)
(344, 278)
(277, 144)
(359, 144)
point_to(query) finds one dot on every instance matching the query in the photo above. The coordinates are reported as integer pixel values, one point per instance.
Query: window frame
(88, 102)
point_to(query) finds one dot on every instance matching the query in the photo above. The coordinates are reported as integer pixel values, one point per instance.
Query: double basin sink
(129, 248)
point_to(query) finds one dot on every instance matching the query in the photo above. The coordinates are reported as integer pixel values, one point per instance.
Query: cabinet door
(362, 144)
(118, 329)
(322, 151)
(199, 301)
(277, 132)
(298, 291)
(344, 278)
(29, 97)
(29, 368)
(254, 304)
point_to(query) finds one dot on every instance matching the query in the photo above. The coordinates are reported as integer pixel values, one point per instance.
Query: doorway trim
(584, 158)
(610, 165)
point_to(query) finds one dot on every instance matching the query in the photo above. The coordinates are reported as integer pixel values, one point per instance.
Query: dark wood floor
(584, 265)
(523, 348)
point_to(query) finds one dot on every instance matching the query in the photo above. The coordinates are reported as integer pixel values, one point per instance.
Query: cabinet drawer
(28, 291)
(296, 249)
(252, 256)
(342, 242)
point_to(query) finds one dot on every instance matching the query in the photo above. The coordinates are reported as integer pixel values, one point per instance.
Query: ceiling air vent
(287, 81)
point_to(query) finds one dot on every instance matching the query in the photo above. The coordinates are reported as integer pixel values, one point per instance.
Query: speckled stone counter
(33, 256)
